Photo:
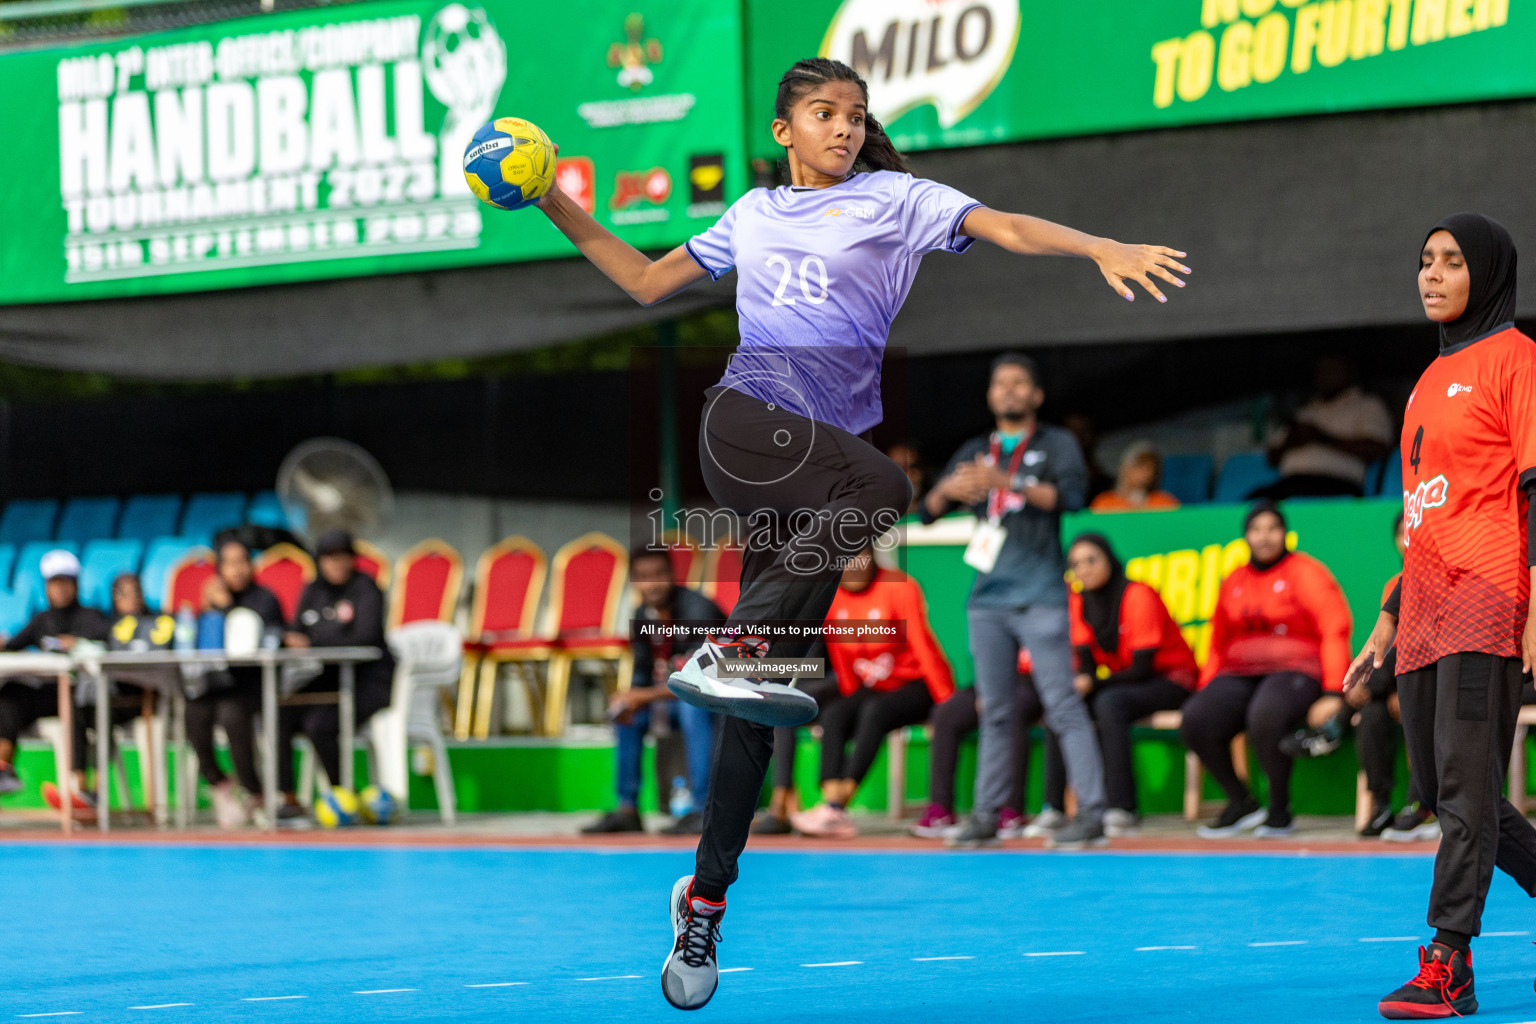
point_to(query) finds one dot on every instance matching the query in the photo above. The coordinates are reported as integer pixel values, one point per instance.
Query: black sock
(704, 891)
(1455, 940)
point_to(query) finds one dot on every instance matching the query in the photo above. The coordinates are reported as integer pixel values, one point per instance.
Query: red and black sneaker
(1443, 987)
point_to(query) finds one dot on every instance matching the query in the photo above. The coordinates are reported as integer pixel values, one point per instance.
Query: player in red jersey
(1461, 615)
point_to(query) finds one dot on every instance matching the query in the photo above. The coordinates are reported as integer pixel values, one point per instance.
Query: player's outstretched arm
(647, 281)
(1374, 653)
(1119, 262)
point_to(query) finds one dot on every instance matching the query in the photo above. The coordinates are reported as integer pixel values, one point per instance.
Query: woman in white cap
(25, 699)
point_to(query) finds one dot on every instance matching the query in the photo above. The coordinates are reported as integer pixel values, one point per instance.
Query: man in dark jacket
(661, 601)
(25, 699)
(340, 608)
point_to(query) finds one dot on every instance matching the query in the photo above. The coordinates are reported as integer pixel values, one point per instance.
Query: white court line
(380, 991)
(56, 1013)
(612, 977)
(837, 963)
(159, 1006)
(497, 984)
(1392, 938)
(927, 959)
(1065, 952)
(1285, 942)
(733, 970)
(1159, 949)
(269, 999)
(1502, 935)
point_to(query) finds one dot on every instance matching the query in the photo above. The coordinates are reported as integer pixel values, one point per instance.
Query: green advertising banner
(1184, 554)
(966, 72)
(329, 142)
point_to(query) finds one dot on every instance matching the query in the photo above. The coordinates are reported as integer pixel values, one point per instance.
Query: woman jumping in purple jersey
(823, 267)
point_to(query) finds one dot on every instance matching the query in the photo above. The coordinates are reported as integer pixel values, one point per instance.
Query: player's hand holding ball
(510, 163)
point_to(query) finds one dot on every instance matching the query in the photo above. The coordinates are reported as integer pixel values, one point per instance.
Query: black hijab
(1255, 510)
(1490, 256)
(1101, 607)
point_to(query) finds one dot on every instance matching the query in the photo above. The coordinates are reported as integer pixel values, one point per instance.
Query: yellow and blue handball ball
(509, 163)
(337, 808)
(379, 808)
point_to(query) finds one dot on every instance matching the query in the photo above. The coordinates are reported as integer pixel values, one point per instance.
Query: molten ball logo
(950, 53)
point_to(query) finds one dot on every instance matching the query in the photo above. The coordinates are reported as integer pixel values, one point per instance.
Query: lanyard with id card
(988, 536)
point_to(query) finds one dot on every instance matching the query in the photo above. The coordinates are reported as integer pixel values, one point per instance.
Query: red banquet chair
(427, 579)
(687, 558)
(509, 578)
(185, 581)
(285, 569)
(589, 575)
(722, 576)
(373, 563)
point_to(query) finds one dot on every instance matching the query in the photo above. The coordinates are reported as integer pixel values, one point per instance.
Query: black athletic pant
(322, 722)
(234, 707)
(1266, 708)
(957, 718)
(785, 740)
(1115, 709)
(1459, 725)
(866, 716)
(808, 494)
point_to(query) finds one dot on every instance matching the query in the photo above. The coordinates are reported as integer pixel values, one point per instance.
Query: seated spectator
(1131, 661)
(341, 607)
(906, 455)
(1139, 486)
(128, 596)
(661, 600)
(885, 684)
(1333, 438)
(1279, 639)
(1082, 426)
(959, 716)
(25, 699)
(233, 696)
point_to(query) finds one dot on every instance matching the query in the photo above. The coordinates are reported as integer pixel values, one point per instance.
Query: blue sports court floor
(270, 934)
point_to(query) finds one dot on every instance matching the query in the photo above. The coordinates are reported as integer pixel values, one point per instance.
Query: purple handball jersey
(823, 272)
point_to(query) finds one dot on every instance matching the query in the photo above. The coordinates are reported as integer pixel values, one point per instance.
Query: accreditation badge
(986, 543)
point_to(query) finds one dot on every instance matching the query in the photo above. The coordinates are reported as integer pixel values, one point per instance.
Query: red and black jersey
(1468, 446)
(1144, 625)
(887, 664)
(1291, 617)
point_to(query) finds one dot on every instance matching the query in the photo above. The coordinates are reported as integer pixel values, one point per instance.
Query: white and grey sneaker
(1119, 823)
(691, 973)
(701, 682)
(1081, 833)
(977, 831)
(1047, 822)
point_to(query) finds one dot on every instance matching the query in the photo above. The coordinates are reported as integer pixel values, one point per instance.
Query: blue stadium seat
(1243, 473)
(13, 613)
(1188, 477)
(103, 562)
(1392, 477)
(161, 557)
(147, 516)
(7, 565)
(29, 577)
(28, 520)
(267, 510)
(87, 519)
(207, 514)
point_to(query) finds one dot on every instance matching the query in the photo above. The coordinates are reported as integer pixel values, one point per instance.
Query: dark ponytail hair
(877, 154)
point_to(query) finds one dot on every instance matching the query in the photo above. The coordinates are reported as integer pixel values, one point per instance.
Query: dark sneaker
(10, 782)
(1277, 825)
(1080, 833)
(293, 816)
(620, 819)
(690, 975)
(1315, 742)
(1381, 817)
(1240, 816)
(770, 825)
(690, 824)
(702, 682)
(979, 830)
(1443, 987)
(1415, 824)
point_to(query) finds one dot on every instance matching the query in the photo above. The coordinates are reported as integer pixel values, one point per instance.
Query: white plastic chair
(428, 661)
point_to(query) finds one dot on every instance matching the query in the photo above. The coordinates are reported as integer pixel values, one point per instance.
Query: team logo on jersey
(1458, 389)
(861, 212)
(1429, 494)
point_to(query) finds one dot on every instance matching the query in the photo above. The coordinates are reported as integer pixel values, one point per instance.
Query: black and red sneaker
(1443, 987)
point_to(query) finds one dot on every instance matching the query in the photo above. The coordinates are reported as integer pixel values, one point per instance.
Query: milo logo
(948, 53)
(1429, 494)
